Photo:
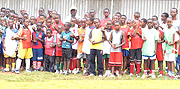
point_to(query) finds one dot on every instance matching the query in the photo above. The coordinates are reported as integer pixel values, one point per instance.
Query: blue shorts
(125, 52)
(178, 59)
(37, 55)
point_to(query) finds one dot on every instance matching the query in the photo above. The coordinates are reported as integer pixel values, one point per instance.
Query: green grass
(46, 80)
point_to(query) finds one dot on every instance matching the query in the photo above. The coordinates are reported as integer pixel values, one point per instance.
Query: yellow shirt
(96, 35)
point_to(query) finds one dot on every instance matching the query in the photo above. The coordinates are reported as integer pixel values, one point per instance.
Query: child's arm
(54, 42)
(143, 36)
(18, 25)
(103, 31)
(155, 46)
(161, 39)
(39, 39)
(156, 41)
(103, 39)
(3, 44)
(19, 34)
(71, 40)
(139, 34)
(76, 37)
(90, 36)
(124, 41)
(61, 37)
(110, 39)
(135, 31)
(44, 26)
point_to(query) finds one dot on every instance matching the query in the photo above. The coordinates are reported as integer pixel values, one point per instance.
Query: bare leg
(112, 69)
(68, 64)
(145, 64)
(65, 64)
(120, 70)
(152, 65)
(125, 63)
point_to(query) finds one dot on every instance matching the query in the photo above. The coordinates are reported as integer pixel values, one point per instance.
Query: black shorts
(74, 53)
(135, 54)
(67, 53)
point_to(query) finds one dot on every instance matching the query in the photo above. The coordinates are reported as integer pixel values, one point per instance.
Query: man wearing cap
(73, 11)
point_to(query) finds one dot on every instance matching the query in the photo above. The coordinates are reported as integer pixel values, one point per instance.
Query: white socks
(27, 64)
(18, 63)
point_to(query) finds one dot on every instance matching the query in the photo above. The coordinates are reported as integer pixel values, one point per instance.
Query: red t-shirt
(104, 21)
(136, 41)
(126, 30)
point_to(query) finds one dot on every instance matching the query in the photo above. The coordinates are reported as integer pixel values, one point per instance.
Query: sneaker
(28, 70)
(91, 74)
(153, 76)
(167, 75)
(144, 76)
(158, 69)
(119, 75)
(167, 70)
(84, 72)
(77, 72)
(41, 68)
(149, 75)
(160, 75)
(34, 69)
(64, 72)
(57, 72)
(61, 71)
(74, 70)
(17, 71)
(100, 75)
(6, 70)
(13, 70)
(131, 74)
(112, 75)
(138, 75)
(172, 77)
(178, 77)
(70, 71)
(106, 74)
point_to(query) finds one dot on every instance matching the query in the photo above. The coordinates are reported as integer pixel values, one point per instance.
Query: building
(147, 8)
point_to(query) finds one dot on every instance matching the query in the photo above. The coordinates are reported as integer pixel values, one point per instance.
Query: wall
(147, 8)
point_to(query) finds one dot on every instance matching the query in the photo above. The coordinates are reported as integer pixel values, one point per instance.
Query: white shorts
(81, 55)
(148, 57)
(169, 57)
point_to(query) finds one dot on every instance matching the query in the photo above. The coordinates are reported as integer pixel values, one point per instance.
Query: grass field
(46, 80)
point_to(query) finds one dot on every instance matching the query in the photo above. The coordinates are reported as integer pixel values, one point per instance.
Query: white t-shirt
(87, 43)
(163, 25)
(151, 36)
(68, 18)
(106, 45)
(74, 30)
(176, 24)
(30, 27)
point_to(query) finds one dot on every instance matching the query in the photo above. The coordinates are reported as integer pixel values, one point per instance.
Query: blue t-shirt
(37, 35)
(66, 44)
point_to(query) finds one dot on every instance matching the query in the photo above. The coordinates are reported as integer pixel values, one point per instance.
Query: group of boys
(44, 41)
